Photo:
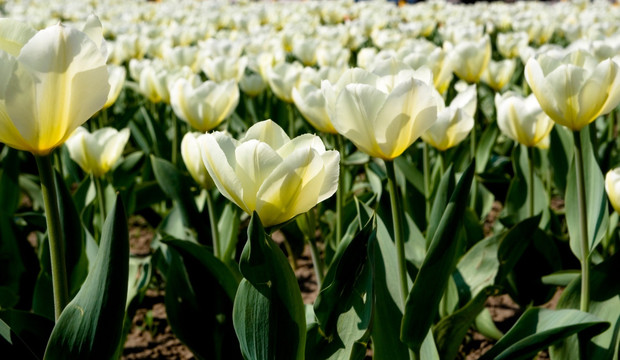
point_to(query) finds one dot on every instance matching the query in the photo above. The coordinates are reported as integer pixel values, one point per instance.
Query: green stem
(319, 268)
(55, 237)
(530, 158)
(583, 222)
(427, 180)
(398, 230)
(291, 120)
(612, 125)
(213, 223)
(175, 140)
(100, 198)
(249, 105)
(340, 192)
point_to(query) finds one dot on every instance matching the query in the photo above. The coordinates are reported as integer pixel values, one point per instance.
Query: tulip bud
(612, 186)
(190, 151)
(522, 119)
(96, 153)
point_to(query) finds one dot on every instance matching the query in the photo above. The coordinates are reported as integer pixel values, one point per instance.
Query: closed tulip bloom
(612, 186)
(96, 153)
(204, 106)
(383, 115)
(468, 59)
(283, 78)
(224, 68)
(252, 84)
(270, 173)
(116, 80)
(576, 89)
(522, 119)
(454, 122)
(498, 73)
(190, 152)
(311, 103)
(509, 45)
(56, 83)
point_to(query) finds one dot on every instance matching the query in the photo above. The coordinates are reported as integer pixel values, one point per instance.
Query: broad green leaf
(140, 271)
(517, 205)
(485, 146)
(228, 230)
(200, 290)
(560, 153)
(561, 278)
(23, 335)
(596, 200)
(268, 314)
(446, 187)
(344, 305)
(483, 267)
(539, 328)
(429, 285)
(175, 185)
(75, 254)
(90, 326)
(604, 304)
(388, 306)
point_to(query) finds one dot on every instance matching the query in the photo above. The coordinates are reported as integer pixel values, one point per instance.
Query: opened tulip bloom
(312, 105)
(58, 81)
(612, 186)
(270, 173)
(204, 106)
(454, 122)
(576, 89)
(383, 114)
(97, 153)
(522, 119)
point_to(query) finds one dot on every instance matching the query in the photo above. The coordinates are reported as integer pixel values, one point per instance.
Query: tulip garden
(425, 158)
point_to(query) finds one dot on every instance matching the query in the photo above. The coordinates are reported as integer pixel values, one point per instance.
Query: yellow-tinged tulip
(522, 119)
(576, 89)
(311, 103)
(270, 173)
(116, 80)
(58, 81)
(498, 73)
(225, 68)
(509, 45)
(383, 114)
(612, 186)
(252, 84)
(96, 153)
(204, 106)
(453, 122)
(283, 78)
(190, 151)
(468, 59)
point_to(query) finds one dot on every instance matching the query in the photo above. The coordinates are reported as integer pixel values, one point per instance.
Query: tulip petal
(268, 132)
(218, 155)
(356, 113)
(256, 160)
(14, 35)
(543, 91)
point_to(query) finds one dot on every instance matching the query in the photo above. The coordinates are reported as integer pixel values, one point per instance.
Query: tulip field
(424, 159)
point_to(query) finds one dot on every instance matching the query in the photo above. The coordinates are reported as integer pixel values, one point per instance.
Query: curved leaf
(91, 324)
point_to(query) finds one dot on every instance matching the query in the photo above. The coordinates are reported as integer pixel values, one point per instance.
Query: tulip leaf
(429, 285)
(560, 154)
(268, 314)
(517, 205)
(604, 304)
(90, 326)
(539, 328)
(23, 335)
(176, 186)
(344, 305)
(486, 265)
(75, 254)
(446, 187)
(485, 146)
(200, 289)
(596, 200)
